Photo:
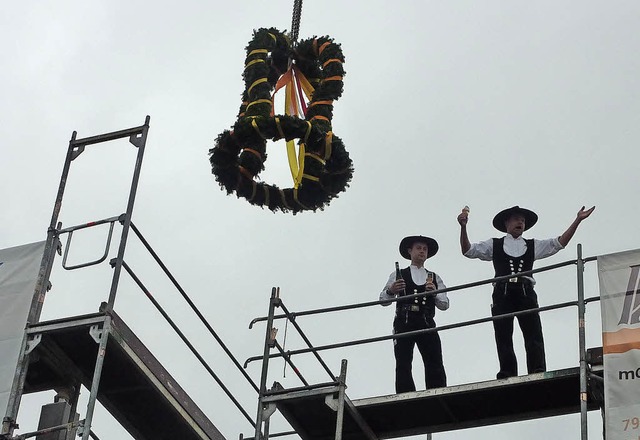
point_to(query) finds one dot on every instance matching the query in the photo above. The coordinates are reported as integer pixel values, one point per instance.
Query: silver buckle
(513, 280)
(414, 308)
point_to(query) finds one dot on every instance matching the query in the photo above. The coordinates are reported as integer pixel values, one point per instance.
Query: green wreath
(239, 154)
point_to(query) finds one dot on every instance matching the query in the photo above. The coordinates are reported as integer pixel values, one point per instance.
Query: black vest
(427, 304)
(506, 264)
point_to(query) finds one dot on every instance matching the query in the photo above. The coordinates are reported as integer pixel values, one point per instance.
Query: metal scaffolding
(99, 350)
(323, 411)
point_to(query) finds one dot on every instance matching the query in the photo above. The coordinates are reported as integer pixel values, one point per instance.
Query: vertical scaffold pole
(139, 141)
(101, 336)
(51, 246)
(582, 347)
(268, 343)
(342, 381)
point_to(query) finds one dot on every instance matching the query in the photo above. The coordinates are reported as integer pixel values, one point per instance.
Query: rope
(295, 19)
(284, 344)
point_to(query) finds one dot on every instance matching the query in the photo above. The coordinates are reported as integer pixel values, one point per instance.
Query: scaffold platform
(312, 412)
(134, 387)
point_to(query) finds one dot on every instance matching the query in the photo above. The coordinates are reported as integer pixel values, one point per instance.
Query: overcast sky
(488, 104)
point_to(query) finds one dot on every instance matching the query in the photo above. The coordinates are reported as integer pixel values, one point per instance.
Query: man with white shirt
(417, 314)
(511, 255)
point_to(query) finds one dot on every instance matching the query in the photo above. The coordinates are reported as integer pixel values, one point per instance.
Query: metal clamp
(268, 410)
(32, 343)
(96, 333)
(331, 401)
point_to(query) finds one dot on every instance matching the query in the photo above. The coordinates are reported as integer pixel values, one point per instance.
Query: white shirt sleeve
(546, 248)
(384, 296)
(482, 250)
(442, 300)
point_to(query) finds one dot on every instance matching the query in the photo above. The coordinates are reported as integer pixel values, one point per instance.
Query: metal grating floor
(443, 409)
(134, 387)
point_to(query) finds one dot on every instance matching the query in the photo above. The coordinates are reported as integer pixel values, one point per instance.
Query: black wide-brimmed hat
(407, 242)
(530, 218)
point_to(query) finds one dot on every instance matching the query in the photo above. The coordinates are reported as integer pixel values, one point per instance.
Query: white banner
(19, 268)
(619, 275)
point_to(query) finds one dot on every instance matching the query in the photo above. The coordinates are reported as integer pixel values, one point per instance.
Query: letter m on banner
(619, 276)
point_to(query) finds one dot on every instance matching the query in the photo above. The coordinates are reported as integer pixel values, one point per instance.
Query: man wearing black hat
(417, 314)
(511, 255)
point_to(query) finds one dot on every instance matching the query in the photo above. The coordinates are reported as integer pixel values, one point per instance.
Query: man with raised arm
(416, 314)
(511, 255)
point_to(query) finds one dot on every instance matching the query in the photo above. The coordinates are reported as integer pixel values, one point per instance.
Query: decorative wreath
(323, 167)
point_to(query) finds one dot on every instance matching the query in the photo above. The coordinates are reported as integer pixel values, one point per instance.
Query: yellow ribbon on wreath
(297, 88)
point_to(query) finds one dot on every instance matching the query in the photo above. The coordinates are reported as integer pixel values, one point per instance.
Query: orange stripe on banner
(621, 341)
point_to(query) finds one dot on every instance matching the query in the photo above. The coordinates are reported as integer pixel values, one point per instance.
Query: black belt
(411, 308)
(515, 281)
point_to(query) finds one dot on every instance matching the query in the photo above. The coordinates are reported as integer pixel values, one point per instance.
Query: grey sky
(489, 104)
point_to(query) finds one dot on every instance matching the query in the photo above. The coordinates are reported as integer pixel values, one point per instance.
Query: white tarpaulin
(19, 268)
(620, 304)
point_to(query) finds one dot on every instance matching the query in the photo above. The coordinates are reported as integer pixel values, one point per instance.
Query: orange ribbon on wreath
(297, 88)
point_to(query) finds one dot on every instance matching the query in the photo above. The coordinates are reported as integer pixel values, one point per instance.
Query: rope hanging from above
(295, 19)
(313, 71)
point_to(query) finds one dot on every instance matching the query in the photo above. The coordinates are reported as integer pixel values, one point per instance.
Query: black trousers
(515, 297)
(429, 346)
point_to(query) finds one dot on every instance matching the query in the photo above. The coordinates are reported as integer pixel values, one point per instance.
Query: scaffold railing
(268, 398)
(137, 137)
